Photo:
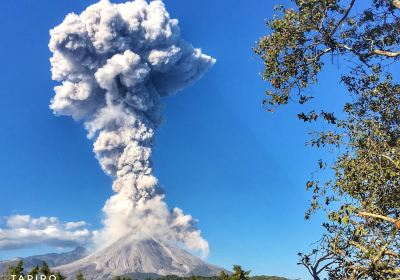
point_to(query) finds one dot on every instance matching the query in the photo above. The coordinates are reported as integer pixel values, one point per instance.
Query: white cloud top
(20, 231)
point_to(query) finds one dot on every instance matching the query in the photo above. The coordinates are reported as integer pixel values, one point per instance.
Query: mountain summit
(139, 259)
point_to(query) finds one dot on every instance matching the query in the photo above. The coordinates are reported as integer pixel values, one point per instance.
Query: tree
(223, 275)
(45, 269)
(59, 276)
(239, 273)
(34, 271)
(80, 276)
(124, 278)
(318, 261)
(15, 271)
(361, 200)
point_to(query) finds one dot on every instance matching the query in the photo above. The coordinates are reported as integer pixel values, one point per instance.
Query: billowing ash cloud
(20, 231)
(115, 63)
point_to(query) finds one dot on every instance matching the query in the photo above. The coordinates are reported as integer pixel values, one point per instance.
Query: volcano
(139, 259)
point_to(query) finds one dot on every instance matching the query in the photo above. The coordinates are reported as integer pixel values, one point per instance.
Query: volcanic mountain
(140, 259)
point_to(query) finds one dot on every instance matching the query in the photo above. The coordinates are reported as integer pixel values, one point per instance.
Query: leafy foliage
(174, 277)
(238, 273)
(80, 276)
(300, 37)
(17, 270)
(122, 278)
(362, 200)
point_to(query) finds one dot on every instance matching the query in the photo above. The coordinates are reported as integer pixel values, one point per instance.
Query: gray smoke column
(115, 63)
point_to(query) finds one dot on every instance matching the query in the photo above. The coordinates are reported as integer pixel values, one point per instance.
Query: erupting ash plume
(115, 62)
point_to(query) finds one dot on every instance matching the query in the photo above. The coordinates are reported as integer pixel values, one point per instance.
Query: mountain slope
(52, 259)
(147, 257)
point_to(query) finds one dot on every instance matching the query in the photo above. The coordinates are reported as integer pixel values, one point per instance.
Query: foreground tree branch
(376, 216)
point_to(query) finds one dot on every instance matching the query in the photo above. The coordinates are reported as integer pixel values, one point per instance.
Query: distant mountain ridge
(53, 259)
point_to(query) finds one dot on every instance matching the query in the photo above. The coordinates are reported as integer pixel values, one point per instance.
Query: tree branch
(385, 53)
(343, 18)
(376, 216)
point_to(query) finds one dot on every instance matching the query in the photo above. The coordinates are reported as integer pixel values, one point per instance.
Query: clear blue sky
(219, 155)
